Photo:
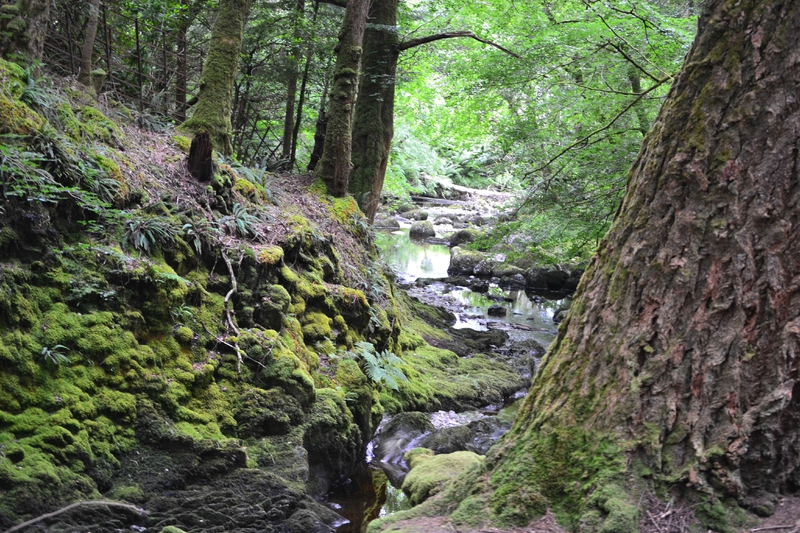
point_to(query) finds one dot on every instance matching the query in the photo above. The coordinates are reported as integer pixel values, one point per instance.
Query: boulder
(464, 236)
(386, 223)
(442, 219)
(423, 228)
(417, 215)
(429, 472)
(477, 436)
(464, 261)
(497, 310)
(549, 278)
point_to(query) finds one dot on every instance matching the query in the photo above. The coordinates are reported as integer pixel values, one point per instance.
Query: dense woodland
(190, 278)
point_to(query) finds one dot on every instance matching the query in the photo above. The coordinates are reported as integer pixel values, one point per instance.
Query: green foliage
(239, 222)
(55, 354)
(145, 234)
(381, 368)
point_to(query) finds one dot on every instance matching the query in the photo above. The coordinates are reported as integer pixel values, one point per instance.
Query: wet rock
(442, 219)
(477, 436)
(561, 312)
(422, 228)
(517, 281)
(418, 215)
(497, 310)
(464, 261)
(479, 286)
(262, 412)
(508, 271)
(476, 220)
(386, 223)
(401, 434)
(485, 267)
(574, 278)
(550, 278)
(464, 236)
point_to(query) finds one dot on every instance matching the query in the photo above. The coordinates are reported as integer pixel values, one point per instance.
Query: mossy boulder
(463, 261)
(262, 412)
(422, 229)
(464, 236)
(430, 472)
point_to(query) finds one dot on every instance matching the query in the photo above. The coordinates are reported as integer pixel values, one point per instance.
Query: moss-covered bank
(199, 351)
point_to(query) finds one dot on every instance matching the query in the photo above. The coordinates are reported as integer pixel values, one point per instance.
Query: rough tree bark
(678, 363)
(85, 74)
(23, 27)
(334, 166)
(373, 124)
(213, 110)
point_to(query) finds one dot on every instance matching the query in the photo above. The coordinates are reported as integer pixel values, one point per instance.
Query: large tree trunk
(23, 28)
(84, 76)
(678, 363)
(214, 105)
(334, 167)
(373, 125)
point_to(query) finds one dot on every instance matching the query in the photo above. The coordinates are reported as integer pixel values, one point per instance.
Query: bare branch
(600, 129)
(450, 35)
(72, 506)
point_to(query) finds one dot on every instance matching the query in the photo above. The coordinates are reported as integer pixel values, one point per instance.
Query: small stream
(374, 490)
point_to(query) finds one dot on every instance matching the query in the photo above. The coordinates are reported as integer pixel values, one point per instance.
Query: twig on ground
(73, 506)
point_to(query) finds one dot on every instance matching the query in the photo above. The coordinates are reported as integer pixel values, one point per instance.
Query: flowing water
(370, 493)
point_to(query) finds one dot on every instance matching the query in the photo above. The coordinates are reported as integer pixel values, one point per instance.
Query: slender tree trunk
(678, 363)
(373, 125)
(291, 85)
(334, 167)
(214, 105)
(320, 129)
(181, 66)
(84, 76)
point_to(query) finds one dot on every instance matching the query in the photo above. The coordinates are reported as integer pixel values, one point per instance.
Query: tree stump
(201, 164)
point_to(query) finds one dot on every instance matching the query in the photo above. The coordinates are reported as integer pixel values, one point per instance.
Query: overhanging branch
(450, 35)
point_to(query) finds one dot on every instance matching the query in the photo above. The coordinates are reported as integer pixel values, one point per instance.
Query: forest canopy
(549, 100)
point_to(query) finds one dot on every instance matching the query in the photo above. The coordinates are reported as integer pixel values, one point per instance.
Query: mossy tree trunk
(334, 166)
(87, 51)
(682, 348)
(23, 27)
(215, 100)
(373, 125)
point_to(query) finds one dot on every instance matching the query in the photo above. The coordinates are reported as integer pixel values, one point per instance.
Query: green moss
(184, 335)
(18, 119)
(182, 142)
(430, 472)
(270, 255)
(317, 326)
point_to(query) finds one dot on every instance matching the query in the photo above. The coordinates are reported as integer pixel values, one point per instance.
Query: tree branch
(600, 129)
(70, 507)
(450, 35)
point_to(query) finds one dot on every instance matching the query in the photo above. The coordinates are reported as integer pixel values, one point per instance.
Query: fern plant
(144, 234)
(379, 367)
(55, 354)
(239, 222)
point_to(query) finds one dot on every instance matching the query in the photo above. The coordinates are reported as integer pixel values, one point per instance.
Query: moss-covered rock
(430, 472)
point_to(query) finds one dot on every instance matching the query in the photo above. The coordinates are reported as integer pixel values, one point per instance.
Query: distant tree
(373, 127)
(85, 73)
